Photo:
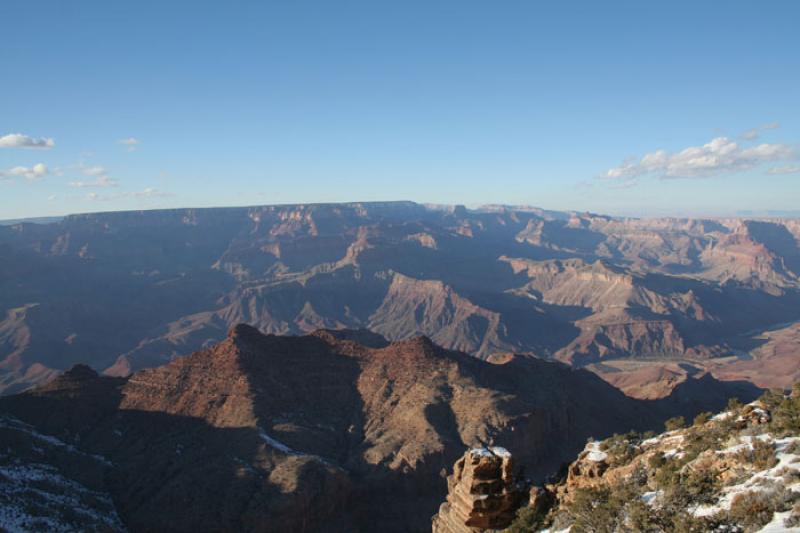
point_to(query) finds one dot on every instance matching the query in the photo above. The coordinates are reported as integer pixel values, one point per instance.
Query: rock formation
(586, 471)
(131, 290)
(754, 414)
(482, 493)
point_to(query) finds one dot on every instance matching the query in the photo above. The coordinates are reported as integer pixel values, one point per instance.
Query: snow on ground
(759, 481)
(490, 452)
(671, 439)
(595, 453)
(673, 452)
(500, 452)
(281, 447)
(278, 445)
(650, 497)
(36, 497)
(777, 524)
(18, 425)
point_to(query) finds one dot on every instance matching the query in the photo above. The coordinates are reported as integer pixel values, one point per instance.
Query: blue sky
(555, 104)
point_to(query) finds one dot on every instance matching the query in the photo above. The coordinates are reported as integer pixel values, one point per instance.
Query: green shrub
(702, 438)
(646, 519)
(761, 454)
(656, 461)
(668, 474)
(794, 518)
(686, 486)
(701, 485)
(527, 519)
(734, 405)
(752, 509)
(639, 476)
(676, 422)
(642, 517)
(785, 416)
(702, 418)
(794, 448)
(622, 448)
(683, 522)
(600, 509)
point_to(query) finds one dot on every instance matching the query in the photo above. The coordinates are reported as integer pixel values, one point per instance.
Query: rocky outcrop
(754, 414)
(586, 472)
(483, 493)
(735, 471)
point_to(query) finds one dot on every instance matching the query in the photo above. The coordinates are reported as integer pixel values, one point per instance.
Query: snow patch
(492, 451)
(595, 453)
(650, 497)
(278, 445)
(776, 525)
(18, 425)
(33, 497)
(787, 462)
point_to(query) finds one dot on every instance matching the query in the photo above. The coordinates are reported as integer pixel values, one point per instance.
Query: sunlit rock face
(483, 493)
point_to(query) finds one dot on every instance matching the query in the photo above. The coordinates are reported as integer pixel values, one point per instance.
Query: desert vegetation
(736, 471)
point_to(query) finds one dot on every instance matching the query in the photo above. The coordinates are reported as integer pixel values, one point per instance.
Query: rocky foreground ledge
(734, 472)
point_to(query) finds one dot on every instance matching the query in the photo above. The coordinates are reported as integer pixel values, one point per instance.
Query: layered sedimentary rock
(586, 471)
(483, 493)
(126, 291)
(330, 432)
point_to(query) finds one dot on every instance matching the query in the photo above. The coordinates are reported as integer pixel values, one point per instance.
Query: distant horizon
(743, 214)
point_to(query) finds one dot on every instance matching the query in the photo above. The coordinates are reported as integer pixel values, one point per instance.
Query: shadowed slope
(320, 433)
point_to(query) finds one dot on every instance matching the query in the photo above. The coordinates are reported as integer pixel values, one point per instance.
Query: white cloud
(768, 152)
(146, 194)
(791, 169)
(150, 192)
(719, 156)
(131, 142)
(102, 179)
(18, 140)
(754, 133)
(94, 171)
(34, 173)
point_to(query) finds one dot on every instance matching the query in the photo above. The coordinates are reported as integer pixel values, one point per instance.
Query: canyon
(644, 303)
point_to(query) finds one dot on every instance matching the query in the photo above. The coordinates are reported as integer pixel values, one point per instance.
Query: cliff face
(483, 493)
(126, 291)
(332, 431)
